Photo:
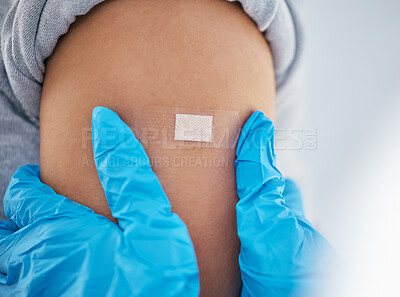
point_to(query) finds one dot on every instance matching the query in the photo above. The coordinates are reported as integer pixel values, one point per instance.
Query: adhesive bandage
(193, 127)
(175, 126)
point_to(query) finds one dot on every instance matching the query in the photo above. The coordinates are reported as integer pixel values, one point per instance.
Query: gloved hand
(56, 247)
(281, 253)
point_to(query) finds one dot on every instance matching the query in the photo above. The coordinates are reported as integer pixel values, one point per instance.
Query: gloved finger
(8, 235)
(133, 191)
(27, 199)
(5, 248)
(7, 228)
(293, 198)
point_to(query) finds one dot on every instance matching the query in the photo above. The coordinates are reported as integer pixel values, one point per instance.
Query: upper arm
(130, 54)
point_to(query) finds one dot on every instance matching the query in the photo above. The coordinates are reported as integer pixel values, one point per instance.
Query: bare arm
(130, 54)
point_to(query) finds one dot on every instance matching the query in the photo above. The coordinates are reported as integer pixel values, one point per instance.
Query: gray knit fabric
(29, 33)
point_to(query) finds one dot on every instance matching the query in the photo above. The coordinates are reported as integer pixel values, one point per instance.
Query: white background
(352, 188)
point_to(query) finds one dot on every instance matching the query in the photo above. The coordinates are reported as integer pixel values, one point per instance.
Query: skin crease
(179, 53)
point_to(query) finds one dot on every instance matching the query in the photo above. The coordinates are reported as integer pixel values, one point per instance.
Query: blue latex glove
(281, 253)
(56, 247)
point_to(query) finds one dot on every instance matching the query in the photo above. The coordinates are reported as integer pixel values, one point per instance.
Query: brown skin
(193, 54)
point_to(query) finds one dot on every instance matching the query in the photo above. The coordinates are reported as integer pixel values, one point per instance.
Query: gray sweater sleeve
(29, 33)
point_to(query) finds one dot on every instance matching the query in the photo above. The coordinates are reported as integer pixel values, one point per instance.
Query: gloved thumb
(262, 214)
(130, 186)
(278, 245)
(135, 195)
(255, 158)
